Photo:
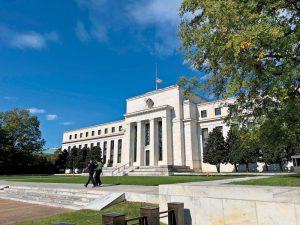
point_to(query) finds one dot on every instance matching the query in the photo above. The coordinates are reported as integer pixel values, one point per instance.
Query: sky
(73, 63)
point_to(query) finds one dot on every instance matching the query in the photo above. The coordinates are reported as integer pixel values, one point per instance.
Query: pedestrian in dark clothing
(91, 169)
(98, 171)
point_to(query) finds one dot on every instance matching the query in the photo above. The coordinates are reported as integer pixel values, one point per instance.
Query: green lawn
(124, 180)
(284, 180)
(88, 217)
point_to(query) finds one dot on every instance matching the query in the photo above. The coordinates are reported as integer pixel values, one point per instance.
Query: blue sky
(73, 63)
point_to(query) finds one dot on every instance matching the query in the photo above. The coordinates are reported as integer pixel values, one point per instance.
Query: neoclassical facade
(160, 129)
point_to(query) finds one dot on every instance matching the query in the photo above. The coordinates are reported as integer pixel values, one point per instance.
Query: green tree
(72, 161)
(94, 153)
(22, 130)
(215, 152)
(233, 145)
(82, 157)
(61, 159)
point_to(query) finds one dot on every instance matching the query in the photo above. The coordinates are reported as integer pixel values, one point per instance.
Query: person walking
(91, 169)
(98, 171)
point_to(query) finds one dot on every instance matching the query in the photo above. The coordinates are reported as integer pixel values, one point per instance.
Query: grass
(88, 217)
(124, 180)
(284, 180)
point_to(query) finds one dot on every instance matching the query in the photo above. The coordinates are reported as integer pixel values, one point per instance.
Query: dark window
(113, 129)
(98, 144)
(120, 128)
(106, 130)
(218, 111)
(69, 148)
(87, 134)
(70, 137)
(220, 128)
(79, 146)
(92, 145)
(119, 150)
(85, 145)
(104, 151)
(135, 144)
(203, 113)
(112, 146)
(147, 134)
(99, 132)
(160, 149)
(75, 136)
(204, 138)
(80, 135)
(93, 133)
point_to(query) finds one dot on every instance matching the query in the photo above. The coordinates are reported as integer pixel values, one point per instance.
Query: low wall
(233, 204)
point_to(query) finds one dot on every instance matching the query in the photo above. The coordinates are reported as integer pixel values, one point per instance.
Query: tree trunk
(218, 167)
(281, 166)
(247, 167)
(236, 167)
(267, 168)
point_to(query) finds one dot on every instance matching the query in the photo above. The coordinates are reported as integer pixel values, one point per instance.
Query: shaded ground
(124, 180)
(292, 180)
(13, 211)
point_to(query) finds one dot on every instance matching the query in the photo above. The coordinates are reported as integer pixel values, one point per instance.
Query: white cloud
(67, 123)
(51, 117)
(36, 110)
(81, 32)
(8, 98)
(25, 39)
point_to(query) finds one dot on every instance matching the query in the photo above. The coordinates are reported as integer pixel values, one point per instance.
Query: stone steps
(159, 170)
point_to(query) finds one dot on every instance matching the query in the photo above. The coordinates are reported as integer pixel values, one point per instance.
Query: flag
(158, 81)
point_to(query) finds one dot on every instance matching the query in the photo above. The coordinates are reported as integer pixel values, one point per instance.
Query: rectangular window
(87, 134)
(113, 129)
(92, 145)
(111, 157)
(147, 134)
(98, 144)
(93, 133)
(80, 135)
(204, 138)
(160, 149)
(99, 132)
(217, 111)
(135, 144)
(119, 150)
(75, 136)
(104, 151)
(80, 146)
(70, 137)
(203, 113)
(69, 148)
(120, 128)
(106, 130)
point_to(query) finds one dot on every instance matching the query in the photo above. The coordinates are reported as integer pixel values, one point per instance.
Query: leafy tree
(72, 159)
(22, 130)
(233, 145)
(61, 159)
(82, 157)
(94, 153)
(215, 152)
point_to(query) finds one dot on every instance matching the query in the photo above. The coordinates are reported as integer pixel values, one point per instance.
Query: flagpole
(156, 75)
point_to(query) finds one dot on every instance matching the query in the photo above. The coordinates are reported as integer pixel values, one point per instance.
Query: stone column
(167, 141)
(116, 152)
(153, 142)
(127, 153)
(139, 144)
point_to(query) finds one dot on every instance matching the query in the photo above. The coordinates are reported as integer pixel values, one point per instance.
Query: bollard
(152, 214)
(178, 213)
(113, 219)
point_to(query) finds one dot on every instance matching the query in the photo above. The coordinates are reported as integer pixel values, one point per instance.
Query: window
(99, 132)
(147, 134)
(75, 136)
(98, 144)
(204, 138)
(217, 111)
(112, 146)
(69, 148)
(113, 129)
(104, 151)
(85, 145)
(119, 150)
(203, 113)
(80, 135)
(160, 150)
(93, 133)
(92, 145)
(70, 137)
(80, 146)
(106, 130)
(87, 134)
(135, 144)
(120, 128)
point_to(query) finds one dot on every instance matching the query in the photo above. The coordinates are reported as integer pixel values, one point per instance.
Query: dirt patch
(14, 211)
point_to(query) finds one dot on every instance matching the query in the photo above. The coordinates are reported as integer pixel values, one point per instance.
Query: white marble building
(161, 129)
